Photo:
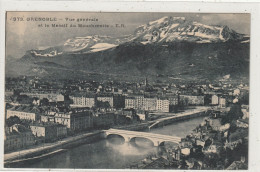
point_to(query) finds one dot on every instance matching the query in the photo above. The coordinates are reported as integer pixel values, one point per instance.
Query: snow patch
(204, 41)
(102, 46)
(145, 42)
(220, 34)
(174, 25)
(202, 35)
(246, 41)
(206, 26)
(161, 20)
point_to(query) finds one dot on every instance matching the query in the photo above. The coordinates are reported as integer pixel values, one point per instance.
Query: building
(130, 103)
(142, 115)
(242, 123)
(150, 104)
(192, 100)
(129, 113)
(238, 165)
(214, 100)
(146, 82)
(106, 98)
(139, 101)
(104, 120)
(18, 137)
(162, 105)
(222, 102)
(173, 100)
(185, 151)
(236, 92)
(49, 131)
(215, 123)
(47, 118)
(52, 97)
(75, 120)
(24, 112)
(245, 110)
(118, 101)
(83, 100)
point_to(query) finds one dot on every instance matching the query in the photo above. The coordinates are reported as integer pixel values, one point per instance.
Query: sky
(27, 34)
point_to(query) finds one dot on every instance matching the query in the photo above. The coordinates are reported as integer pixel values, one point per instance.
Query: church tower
(146, 82)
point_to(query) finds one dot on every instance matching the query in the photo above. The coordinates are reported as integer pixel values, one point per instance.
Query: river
(112, 153)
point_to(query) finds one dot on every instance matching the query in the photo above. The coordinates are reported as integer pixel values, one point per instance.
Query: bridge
(157, 139)
(180, 116)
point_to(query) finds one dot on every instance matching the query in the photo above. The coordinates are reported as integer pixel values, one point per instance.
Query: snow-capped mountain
(82, 45)
(164, 30)
(169, 29)
(91, 43)
(170, 47)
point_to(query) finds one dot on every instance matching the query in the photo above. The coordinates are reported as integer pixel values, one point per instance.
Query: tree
(208, 142)
(17, 92)
(186, 101)
(44, 102)
(234, 114)
(13, 120)
(101, 104)
(244, 99)
(182, 104)
(183, 164)
(211, 160)
(196, 152)
(24, 99)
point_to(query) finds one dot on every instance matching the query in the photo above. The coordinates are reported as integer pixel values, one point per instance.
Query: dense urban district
(42, 111)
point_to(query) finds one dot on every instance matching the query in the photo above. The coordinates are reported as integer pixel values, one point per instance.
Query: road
(44, 147)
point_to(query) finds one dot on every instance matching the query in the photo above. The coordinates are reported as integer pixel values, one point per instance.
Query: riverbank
(206, 147)
(49, 148)
(192, 113)
(174, 117)
(19, 162)
(108, 153)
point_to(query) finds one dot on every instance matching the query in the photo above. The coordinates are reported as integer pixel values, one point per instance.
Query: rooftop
(29, 109)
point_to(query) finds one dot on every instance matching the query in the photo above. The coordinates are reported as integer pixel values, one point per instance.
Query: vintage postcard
(132, 90)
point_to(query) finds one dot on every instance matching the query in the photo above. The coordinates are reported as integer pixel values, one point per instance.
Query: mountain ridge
(146, 52)
(166, 29)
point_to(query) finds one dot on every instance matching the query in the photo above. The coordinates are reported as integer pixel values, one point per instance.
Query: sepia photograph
(126, 90)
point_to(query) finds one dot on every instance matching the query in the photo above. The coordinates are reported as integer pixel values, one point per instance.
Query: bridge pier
(104, 135)
(157, 139)
(127, 139)
(156, 143)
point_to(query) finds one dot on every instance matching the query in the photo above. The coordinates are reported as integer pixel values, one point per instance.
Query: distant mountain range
(170, 46)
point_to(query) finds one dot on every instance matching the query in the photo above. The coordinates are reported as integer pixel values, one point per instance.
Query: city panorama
(146, 91)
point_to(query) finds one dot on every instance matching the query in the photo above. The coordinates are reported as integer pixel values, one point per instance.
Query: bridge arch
(133, 139)
(171, 142)
(125, 137)
(113, 136)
